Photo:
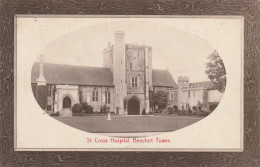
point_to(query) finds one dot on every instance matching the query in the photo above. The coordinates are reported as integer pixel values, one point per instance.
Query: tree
(158, 98)
(216, 72)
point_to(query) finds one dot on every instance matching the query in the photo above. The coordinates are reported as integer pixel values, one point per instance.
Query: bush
(77, 108)
(170, 110)
(204, 114)
(176, 110)
(89, 109)
(104, 109)
(86, 108)
(184, 112)
(84, 105)
(189, 111)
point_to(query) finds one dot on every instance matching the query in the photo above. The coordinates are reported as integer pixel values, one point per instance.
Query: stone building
(122, 84)
(190, 94)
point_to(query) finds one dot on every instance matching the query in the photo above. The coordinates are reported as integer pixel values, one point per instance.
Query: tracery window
(134, 82)
(95, 95)
(107, 97)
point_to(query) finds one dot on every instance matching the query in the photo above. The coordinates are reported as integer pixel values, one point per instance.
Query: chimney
(119, 56)
(41, 80)
(41, 88)
(119, 38)
(119, 71)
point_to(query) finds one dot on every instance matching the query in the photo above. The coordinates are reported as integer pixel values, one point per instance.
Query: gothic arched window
(95, 95)
(107, 96)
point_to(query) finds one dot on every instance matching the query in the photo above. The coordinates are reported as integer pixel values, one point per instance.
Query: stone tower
(119, 71)
(183, 82)
(108, 57)
(128, 63)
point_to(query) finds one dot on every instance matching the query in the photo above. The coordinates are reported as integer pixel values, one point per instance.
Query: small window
(134, 82)
(131, 66)
(189, 94)
(172, 95)
(107, 97)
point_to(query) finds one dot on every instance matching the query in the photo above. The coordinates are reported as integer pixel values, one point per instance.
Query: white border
(132, 149)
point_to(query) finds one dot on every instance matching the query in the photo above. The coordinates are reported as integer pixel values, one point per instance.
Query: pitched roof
(74, 75)
(162, 78)
(83, 75)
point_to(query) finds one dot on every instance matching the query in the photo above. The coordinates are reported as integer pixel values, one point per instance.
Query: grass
(131, 124)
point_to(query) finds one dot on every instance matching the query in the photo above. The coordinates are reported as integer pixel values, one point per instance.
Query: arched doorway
(67, 102)
(133, 107)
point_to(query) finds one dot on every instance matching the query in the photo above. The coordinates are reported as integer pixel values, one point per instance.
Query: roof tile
(83, 75)
(74, 75)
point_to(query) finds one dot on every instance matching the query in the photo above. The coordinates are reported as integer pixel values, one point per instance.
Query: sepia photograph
(129, 83)
(128, 77)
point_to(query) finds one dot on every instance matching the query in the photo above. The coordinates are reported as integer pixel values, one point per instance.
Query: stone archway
(66, 102)
(133, 107)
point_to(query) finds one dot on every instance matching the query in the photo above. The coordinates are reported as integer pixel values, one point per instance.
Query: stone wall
(135, 55)
(140, 82)
(172, 98)
(160, 88)
(192, 96)
(150, 68)
(87, 93)
(63, 91)
(135, 67)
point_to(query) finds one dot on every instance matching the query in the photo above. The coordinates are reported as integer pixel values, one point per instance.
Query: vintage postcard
(128, 83)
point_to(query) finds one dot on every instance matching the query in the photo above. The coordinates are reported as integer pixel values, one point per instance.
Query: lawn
(133, 124)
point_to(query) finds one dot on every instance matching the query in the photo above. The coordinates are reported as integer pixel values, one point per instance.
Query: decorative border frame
(250, 9)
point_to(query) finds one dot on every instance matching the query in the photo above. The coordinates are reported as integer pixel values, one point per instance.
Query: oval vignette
(99, 80)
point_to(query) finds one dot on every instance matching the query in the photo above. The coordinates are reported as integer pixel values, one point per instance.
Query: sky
(181, 52)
